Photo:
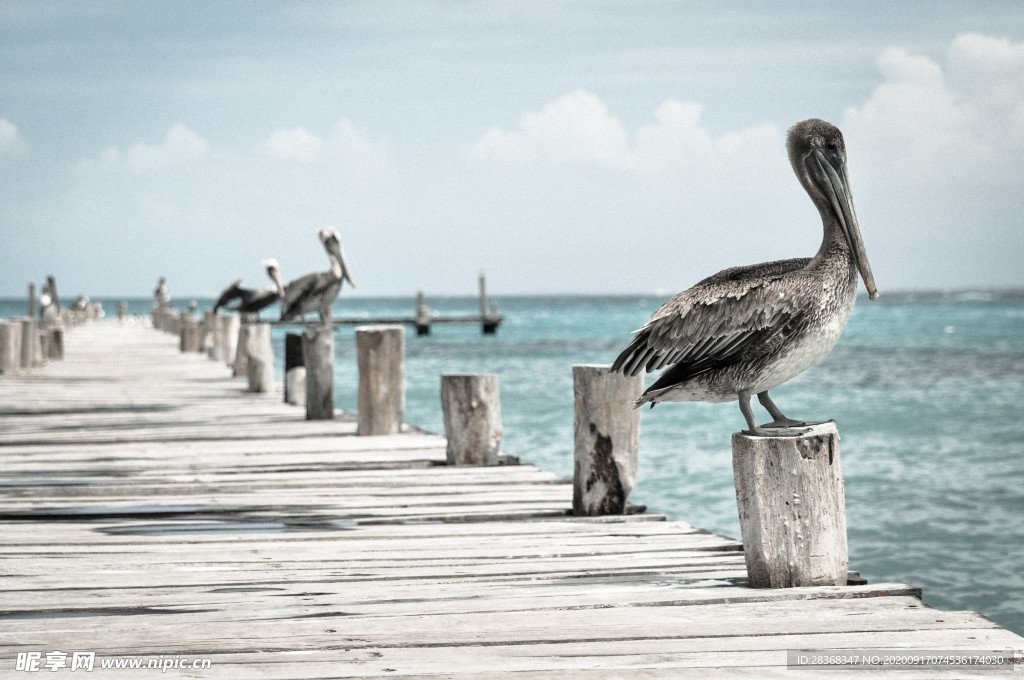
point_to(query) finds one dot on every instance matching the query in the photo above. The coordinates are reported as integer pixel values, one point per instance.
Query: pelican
(746, 330)
(252, 300)
(316, 292)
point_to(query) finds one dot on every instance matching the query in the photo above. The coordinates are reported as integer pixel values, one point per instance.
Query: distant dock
(424, 319)
(156, 513)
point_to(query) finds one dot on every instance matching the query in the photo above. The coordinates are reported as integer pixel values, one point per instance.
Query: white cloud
(10, 138)
(574, 128)
(295, 143)
(212, 212)
(180, 146)
(929, 124)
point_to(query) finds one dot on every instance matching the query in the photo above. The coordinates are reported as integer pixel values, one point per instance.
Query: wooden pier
(154, 510)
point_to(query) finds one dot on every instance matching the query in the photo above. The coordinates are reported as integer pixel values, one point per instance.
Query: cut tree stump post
(216, 350)
(791, 502)
(260, 364)
(29, 341)
(230, 326)
(318, 358)
(55, 343)
(189, 333)
(240, 368)
(207, 330)
(606, 431)
(294, 370)
(472, 418)
(380, 354)
(10, 347)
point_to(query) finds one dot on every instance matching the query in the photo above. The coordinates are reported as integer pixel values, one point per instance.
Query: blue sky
(577, 147)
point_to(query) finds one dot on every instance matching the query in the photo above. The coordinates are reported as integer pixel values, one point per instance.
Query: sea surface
(927, 390)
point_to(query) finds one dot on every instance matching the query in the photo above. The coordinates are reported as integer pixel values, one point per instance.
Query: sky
(590, 147)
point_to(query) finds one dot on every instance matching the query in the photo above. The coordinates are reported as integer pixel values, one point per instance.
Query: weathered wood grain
(471, 406)
(789, 492)
(606, 435)
(152, 508)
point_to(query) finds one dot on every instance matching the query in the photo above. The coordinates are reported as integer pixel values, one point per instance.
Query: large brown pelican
(317, 292)
(748, 329)
(252, 300)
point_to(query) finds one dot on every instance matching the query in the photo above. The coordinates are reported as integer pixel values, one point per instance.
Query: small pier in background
(424, 319)
(156, 510)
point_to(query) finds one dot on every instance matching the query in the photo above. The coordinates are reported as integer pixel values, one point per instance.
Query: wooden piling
(207, 330)
(30, 354)
(10, 347)
(55, 343)
(260, 364)
(472, 418)
(318, 358)
(229, 328)
(294, 371)
(791, 502)
(31, 300)
(240, 367)
(380, 353)
(422, 314)
(188, 335)
(607, 437)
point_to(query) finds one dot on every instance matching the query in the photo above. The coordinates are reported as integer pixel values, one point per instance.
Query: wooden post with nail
(791, 502)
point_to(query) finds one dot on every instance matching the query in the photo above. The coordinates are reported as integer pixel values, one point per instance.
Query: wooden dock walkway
(152, 509)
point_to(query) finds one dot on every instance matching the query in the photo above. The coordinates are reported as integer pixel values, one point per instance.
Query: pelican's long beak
(339, 255)
(828, 171)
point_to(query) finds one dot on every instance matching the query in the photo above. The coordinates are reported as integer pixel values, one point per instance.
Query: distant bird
(316, 292)
(748, 329)
(252, 300)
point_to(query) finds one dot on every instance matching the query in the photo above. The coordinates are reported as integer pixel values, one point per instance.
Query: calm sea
(927, 391)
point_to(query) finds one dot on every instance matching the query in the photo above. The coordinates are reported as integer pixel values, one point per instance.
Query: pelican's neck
(833, 241)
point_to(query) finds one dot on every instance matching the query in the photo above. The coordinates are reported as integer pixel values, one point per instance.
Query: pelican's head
(274, 272)
(817, 153)
(329, 237)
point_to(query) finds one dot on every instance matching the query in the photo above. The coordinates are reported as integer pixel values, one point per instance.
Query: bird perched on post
(252, 300)
(746, 330)
(316, 292)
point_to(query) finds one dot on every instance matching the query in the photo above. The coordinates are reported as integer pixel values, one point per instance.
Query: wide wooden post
(606, 431)
(380, 353)
(318, 358)
(472, 418)
(260, 368)
(294, 371)
(228, 336)
(791, 502)
(188, 336)
(10, 347)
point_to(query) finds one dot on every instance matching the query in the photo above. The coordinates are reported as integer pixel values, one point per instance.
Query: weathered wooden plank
(294, 549)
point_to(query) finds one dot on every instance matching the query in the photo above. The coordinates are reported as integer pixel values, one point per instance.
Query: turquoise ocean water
(927, 391)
